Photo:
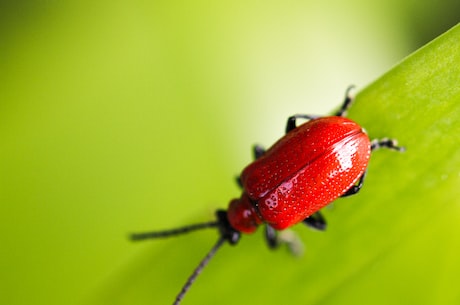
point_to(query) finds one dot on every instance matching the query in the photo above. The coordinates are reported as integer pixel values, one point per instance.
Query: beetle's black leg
(258, 151)
(356, 187)
(375, 144)
(271, 237)
(316, 221)
(346, 103)
(291, 122)
(238, 181)
(386, 143)
(289, 238)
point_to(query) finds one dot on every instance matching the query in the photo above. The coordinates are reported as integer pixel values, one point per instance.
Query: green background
(122, 116)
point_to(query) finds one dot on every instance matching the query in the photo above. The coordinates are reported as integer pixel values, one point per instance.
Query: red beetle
(311, 166)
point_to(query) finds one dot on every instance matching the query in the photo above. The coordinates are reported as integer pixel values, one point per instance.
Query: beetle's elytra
(305, 170)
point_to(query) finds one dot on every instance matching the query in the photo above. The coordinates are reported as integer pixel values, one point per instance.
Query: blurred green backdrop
(121, 116)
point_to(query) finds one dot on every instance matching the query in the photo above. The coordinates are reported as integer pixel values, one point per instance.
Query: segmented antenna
(173, 232)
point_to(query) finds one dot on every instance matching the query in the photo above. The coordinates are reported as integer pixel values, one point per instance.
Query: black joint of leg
(316, 221)
(238, 181)
(258, 151)
(271, 237)
(290, 125)
(352, 191)
(291, 122)
(355, 188)
(225, 229)
(386, 143)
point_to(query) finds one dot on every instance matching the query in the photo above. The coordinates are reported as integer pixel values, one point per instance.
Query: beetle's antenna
(204, 262)
(173, 232)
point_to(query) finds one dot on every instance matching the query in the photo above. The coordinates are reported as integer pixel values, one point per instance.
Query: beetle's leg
(258, 151)
(356, 187)
(291, 122)
(375, 144)
(316, 221)
(386, 143)
(271, 237)
(275, 239)
(238, 181)
(346, 103)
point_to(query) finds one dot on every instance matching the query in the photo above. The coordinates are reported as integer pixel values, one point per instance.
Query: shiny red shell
(304, 171)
